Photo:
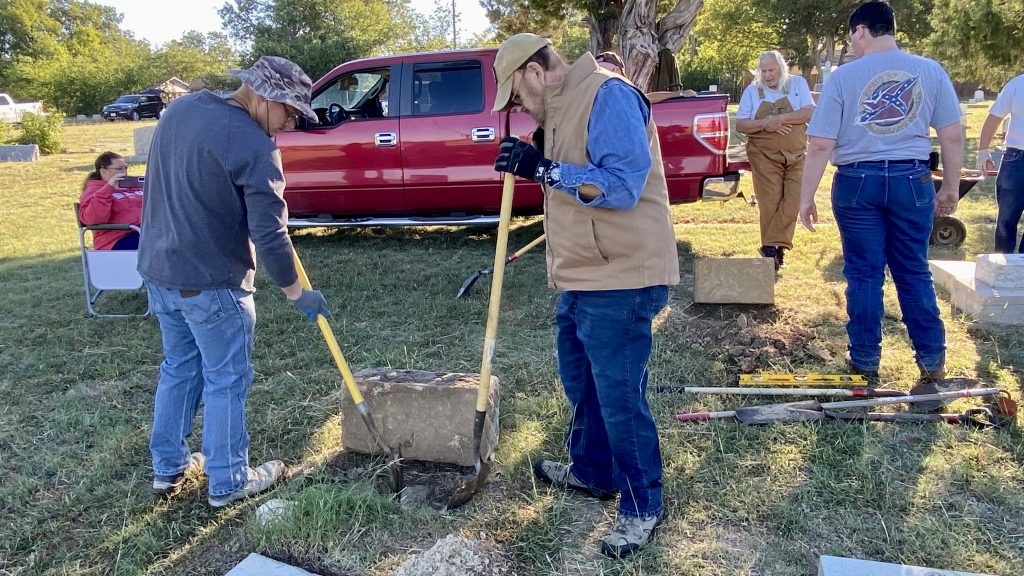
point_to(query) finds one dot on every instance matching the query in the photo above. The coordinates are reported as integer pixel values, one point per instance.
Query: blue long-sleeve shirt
(620, 155)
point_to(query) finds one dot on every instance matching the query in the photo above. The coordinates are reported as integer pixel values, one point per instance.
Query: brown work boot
(870, 375)
(930, 382)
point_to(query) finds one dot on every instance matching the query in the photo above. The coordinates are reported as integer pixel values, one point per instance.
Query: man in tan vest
(611, 251)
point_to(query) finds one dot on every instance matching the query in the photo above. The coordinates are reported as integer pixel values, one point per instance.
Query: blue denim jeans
(885, 214)
(1010, 201)
(604, 342)
(207, 343)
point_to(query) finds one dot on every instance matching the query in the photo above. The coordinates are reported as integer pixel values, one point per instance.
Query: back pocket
(846, 189)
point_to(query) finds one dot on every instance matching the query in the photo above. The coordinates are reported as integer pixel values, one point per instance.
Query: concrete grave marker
(734, 281)
(430, 414)
(256, 565)
(836, 566)
(19, 153)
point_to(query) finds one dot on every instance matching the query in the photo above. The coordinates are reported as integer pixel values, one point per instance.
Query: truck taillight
(712, 130)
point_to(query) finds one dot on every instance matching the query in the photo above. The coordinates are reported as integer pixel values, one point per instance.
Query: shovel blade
(788, 412)
(468, 284)
(470, 485)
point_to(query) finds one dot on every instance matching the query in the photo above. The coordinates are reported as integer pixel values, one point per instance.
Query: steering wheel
(335, 113)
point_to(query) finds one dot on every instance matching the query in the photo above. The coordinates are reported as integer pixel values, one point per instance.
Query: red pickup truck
(411, 140)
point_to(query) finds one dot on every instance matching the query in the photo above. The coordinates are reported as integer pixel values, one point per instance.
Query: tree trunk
(602, 34)
(640, 37)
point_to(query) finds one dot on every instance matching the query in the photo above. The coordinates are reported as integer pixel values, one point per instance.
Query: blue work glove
(311, 303)
(521, 159)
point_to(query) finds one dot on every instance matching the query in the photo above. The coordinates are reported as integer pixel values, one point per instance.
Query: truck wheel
(948, 232)
(135, 115)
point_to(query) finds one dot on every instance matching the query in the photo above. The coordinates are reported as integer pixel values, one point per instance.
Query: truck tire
(135, 116)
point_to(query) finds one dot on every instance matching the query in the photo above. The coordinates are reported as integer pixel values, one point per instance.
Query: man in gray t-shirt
(873, 119)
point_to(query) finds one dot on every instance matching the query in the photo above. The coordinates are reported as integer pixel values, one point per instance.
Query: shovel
(476, 275)
(847, 392)
(396, 478)
(473, 482)
(811, 410)
(980, 417)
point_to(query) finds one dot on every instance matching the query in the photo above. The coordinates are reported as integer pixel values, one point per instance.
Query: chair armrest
(110, 227)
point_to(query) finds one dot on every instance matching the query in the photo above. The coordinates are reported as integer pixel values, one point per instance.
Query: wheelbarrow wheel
(948, 232)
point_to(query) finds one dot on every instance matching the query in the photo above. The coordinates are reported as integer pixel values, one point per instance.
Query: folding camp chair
(108, 270)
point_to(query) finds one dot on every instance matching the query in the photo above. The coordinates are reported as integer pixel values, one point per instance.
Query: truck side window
(362, 94)
(447, 88)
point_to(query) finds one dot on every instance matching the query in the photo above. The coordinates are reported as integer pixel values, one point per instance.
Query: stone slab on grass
(143, 138)
(836, 566)
(429, 414)
(256, 565)
(987, 305)
(734, 281)
(1004, 271)
(19, 153)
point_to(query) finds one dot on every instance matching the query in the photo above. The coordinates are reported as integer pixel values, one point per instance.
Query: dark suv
(134, 106)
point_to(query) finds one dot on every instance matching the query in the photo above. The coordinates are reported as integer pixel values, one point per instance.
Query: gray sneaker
(171, 485)
(261, 478)
(558, 474)
(629, 534)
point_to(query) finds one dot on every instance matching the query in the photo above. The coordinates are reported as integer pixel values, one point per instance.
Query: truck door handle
(385, 139)
(483, 134)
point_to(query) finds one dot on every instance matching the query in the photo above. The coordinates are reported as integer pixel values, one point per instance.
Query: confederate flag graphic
(889, 103)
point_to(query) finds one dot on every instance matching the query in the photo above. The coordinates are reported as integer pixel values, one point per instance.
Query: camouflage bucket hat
(279, 80)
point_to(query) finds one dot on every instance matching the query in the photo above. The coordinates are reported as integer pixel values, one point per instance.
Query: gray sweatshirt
(214, 199)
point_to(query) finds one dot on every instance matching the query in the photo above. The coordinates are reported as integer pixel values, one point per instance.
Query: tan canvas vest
(600, 248)
(793, 143)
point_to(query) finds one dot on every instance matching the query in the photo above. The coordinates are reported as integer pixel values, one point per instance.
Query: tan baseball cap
(512, 54)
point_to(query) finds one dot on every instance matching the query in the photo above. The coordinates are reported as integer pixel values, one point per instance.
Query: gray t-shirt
(214, 199)
(880, 106)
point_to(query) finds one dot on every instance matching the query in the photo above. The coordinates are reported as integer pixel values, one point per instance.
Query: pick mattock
(473, 483)
(812, 410)
(484, 271)
(395, 475)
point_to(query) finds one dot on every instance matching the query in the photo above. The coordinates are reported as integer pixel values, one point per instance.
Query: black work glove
(521, 159)
(312, 303)
(538, 139)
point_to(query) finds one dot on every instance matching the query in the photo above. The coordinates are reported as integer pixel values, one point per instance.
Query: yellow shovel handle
(332, 342)
(494, 307)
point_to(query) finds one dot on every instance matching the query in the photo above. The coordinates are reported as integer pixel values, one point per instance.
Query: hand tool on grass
(476, 275)
(473, 483)
(980, 417)
(396, 479)
(803, 379)
(812, 410)
(841, 392)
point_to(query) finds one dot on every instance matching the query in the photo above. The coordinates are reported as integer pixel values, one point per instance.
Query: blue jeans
(1010, 201)
(604, 342)
(885, 214)
(207, 343)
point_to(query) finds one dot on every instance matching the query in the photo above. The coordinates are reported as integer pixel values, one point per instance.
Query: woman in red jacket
(104, 201)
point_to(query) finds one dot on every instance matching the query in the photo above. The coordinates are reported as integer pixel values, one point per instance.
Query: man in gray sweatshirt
(214, 200)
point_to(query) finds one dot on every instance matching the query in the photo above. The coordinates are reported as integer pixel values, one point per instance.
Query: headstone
(97, 117)
(836, 566)
(713, 88)
(81, 118)
(428, 414)
(19, 153)
(1004, 271)
(979, 95)
(986, 304)
(256, 565)
(734, 281)
(143, 139)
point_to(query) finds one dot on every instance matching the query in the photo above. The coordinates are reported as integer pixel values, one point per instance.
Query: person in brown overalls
(773, 113)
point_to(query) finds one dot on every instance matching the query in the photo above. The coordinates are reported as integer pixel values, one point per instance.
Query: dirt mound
(454, 556)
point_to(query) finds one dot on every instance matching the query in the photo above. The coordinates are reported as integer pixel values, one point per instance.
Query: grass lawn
(77, 399)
